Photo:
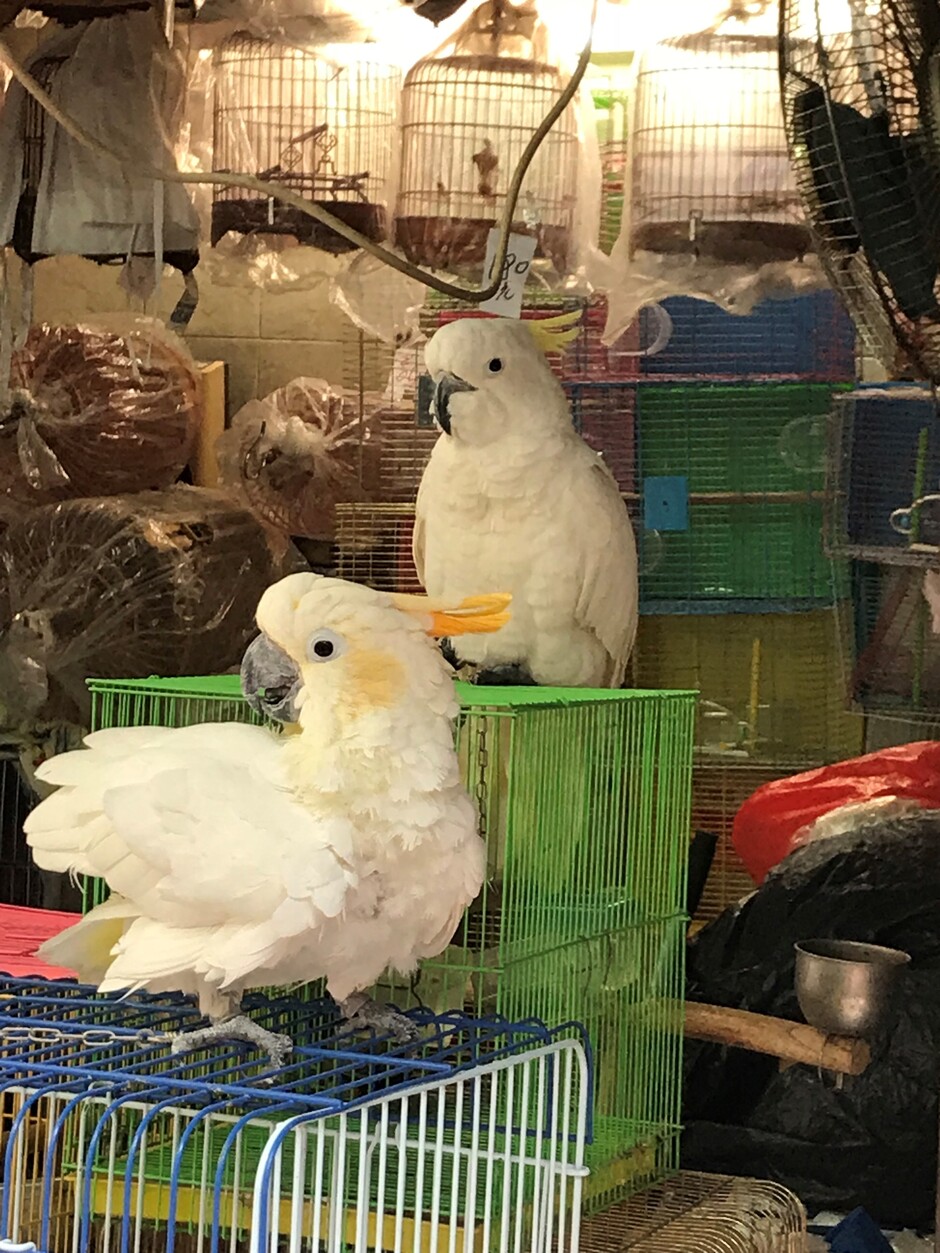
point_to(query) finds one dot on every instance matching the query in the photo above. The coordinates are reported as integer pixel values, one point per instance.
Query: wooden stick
(791, 1041)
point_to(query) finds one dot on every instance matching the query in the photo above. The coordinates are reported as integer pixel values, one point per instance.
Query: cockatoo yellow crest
(237, 858)
(554, 334)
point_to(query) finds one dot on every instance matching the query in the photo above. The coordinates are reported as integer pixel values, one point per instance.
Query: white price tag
(508, 300)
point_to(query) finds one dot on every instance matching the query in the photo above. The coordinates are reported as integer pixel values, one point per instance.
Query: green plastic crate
(585, 806)
(754, 459)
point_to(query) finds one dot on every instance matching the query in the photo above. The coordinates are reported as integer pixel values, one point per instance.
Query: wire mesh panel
(885, 458)
(710, 173)
(733, 480)
(584, 801)
(321, 121)
(805, 337)
(467, 113)
(698, 1213)
(856, 103)
(473, 1134)
(772, 684)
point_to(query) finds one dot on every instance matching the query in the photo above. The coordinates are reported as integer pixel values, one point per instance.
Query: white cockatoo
(240, 858)
(513, 497)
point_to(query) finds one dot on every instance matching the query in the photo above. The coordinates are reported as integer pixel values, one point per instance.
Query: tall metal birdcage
(861, 123)
(319, 119)
(467, 112)
(20, 880)
(884, 488)
(473, 1136)
(710, 170)
(610, 86)
(584, 802)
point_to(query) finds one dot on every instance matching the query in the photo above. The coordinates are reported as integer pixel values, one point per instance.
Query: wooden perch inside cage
(777, 1037)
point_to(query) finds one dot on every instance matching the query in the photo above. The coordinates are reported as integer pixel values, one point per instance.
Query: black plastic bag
(874, 1142)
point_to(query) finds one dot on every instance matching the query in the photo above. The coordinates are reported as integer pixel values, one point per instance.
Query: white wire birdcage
(467, 113)
(710, 171)
(318, 119)
(471, 1137)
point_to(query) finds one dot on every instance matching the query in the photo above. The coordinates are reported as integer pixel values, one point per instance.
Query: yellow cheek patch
(373, 680)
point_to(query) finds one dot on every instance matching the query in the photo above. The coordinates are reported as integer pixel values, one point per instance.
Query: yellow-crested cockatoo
(240, 858)
(512, 497)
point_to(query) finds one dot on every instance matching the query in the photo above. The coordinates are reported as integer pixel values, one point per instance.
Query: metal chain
(93, 1037)
(482, 787)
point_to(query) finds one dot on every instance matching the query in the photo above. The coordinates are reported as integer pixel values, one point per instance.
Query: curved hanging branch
(218, 178)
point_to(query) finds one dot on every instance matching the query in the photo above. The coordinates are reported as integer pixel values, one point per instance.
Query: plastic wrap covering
(96, 412)
(467, 113)
(56, 195)
(781, 815)
(162, 583)
(871, 1140)
(298, 453)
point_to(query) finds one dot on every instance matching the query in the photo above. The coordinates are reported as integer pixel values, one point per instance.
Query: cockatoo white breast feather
(512, 497)
(238, 858)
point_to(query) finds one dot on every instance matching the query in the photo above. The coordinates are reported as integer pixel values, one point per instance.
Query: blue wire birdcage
(475, 1132)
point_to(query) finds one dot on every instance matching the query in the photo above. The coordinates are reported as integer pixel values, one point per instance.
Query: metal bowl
(845, 987)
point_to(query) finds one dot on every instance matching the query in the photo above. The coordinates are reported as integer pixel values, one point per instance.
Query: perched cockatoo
(239, 858)
(513, 497)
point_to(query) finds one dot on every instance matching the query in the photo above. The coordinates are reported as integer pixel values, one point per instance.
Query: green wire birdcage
(584, 801)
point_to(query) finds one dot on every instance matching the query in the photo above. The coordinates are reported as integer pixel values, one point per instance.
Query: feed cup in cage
(467, 113)
(711, 175)
(320, 121)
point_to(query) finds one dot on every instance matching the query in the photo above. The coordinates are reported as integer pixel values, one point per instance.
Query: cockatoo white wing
(605, 548)
(418, 535)
(197, 827)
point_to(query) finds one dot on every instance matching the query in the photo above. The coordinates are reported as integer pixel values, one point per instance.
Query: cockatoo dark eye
(325, 646)
(495, 366)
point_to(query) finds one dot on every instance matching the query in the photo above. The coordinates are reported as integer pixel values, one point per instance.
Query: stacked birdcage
(318, 120)
(739, 598)
(885, 514)
(473, 1135)
(584, 806)
(610, 81)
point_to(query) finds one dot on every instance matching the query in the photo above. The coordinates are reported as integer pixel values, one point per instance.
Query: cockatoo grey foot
(277, 1047)
(362, 1014)
(515, 675)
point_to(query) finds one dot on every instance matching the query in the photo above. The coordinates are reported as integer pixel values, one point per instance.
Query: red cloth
(21, 933)
(766, 824)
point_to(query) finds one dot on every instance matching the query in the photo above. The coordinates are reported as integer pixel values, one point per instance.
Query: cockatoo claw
(364, 1015)
(278, 1047)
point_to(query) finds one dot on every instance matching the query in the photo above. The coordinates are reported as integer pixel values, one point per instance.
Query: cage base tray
(732, 243)
(261, 217)
(446, 243)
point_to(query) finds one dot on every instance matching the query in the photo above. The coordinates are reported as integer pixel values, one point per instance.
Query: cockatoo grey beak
(270, 681)
(444, 388)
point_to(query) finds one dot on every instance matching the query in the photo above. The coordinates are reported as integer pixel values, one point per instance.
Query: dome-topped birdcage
(711, 174)
(319, 119)
(467, 113)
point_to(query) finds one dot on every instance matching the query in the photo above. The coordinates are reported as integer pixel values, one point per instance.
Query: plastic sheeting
(162, 583)
(298, 453)
(97, 410)
(68, 199)
(874, 1141)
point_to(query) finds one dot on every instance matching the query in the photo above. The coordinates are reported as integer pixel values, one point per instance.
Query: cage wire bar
(584, 799)
(473, 1135)
(319, 120)
(863, 138)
